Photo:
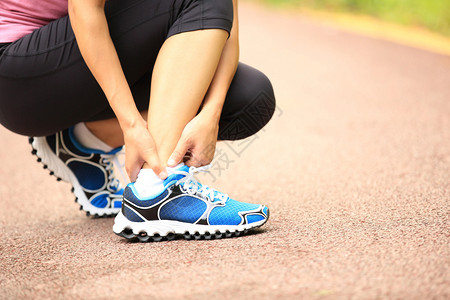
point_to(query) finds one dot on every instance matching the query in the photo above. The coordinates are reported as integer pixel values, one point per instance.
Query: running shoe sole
(155, 231)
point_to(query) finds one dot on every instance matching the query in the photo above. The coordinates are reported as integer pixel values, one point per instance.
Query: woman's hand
(198, 142)
(141, 149)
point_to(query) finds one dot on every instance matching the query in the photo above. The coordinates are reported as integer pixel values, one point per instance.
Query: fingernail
(171, 162)
(163, 175)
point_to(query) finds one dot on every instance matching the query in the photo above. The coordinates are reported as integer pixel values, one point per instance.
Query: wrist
(210, 115)
(211, 112)
(126, 111)
(131, 121)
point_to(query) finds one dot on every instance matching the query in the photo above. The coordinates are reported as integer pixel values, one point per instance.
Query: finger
(152, 158)
(192, 163)
(133, 171)
(178, 154)
(195, 160)
(199, 158)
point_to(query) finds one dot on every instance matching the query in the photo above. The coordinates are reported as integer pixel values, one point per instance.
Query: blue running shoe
(91, 172)
(187, 208)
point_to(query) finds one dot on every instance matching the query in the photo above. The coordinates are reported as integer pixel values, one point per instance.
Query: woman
(76, 75)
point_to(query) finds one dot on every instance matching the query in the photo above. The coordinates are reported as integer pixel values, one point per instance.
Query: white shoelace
(190, 185)
(109, 160)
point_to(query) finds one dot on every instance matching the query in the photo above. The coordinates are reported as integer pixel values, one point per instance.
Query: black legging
(45, 86)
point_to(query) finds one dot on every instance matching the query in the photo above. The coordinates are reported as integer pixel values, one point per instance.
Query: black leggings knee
(249, 105)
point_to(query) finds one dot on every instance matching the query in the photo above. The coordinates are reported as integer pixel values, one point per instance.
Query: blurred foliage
(432, 14)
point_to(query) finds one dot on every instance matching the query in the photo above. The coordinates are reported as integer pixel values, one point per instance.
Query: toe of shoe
(258, 217)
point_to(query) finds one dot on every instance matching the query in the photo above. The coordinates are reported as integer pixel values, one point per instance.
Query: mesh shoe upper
(93, 169)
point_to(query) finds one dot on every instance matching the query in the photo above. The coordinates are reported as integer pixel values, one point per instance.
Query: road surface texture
(355, 167)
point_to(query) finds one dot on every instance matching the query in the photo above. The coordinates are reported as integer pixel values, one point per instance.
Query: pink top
(20, 17)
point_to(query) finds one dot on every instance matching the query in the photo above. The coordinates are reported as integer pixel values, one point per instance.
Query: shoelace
(109, 160)
(190, 185)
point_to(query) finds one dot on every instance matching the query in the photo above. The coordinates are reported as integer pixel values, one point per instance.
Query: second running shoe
(185, 207)
(91, 172)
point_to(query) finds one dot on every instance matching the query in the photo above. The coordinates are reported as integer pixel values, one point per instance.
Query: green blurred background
(431, 14)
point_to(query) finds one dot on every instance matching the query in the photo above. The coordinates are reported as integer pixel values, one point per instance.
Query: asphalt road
(355, 167)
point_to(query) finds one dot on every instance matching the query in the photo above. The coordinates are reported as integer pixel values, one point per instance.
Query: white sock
(148, 184)
(171, 169)
(87, 139)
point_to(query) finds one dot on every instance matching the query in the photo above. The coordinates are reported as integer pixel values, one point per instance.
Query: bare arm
(215, 97)
(91, 30)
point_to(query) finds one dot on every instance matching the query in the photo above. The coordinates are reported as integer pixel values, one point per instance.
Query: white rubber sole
(62, 172)
(168, 230)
